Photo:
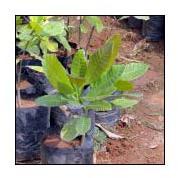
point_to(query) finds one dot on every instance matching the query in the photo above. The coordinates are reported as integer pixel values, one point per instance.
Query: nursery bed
(144, 143)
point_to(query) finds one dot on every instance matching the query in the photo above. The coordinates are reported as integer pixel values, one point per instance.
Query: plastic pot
(31, 124)
(55, 151)
(153, 29)
(30, 62)
(109, 117)
(58, 118)
(134, 22)
(31, 92)
(40, 83)
(65, 61)
(37, 79)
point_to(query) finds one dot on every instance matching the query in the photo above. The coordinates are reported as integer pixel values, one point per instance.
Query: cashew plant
(103, 77)
(41, 34)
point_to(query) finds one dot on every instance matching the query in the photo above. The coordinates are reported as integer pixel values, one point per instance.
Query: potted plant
(104, 78)
(32, 120)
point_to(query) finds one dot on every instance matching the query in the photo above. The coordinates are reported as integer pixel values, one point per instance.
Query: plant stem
(68, 22)
(83, 140)
(18, 84)
(91, 34)
(79, 30)
(49, 115)
(19, 75)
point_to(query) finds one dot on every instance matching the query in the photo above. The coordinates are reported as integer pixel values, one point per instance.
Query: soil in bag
(56, 151)
(31, 124)
(108, 117)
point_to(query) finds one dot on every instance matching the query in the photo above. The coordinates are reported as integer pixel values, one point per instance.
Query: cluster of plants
(96, 71)
(41, 35)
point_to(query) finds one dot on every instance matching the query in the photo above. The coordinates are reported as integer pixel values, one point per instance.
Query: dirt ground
(144, 135)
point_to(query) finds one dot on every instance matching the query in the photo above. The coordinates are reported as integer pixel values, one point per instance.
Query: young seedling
(101, 74)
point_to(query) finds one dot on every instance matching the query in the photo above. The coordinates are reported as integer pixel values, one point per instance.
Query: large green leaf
(52, 100)
(102, 60)
(124, 102)
(75, 127)
(105, 85)
(56, 74)
(69, 131)
(132, 71)
(79, 64)
(83, 125)
(95, 21)
(99, 106)
(54, 28)
(124, 85)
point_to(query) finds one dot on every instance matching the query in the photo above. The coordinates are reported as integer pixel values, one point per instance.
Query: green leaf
(83, 125)
(56, 74)
(24, 33)
(79, 64)
(124, 102)
(47, 44)
(43, 47)
(69, 131)
(96, 22)
(36, 23)
(33, 49)
(99, 135)
(52, 100)
(64, 42)
(54, 28)
(99, 106)
(105, 85)
(30, 46)
(132, 71)
(37, 68)
(102, 60)
(75, 127)
(37, 19)
(124, 85)
(99, 139)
